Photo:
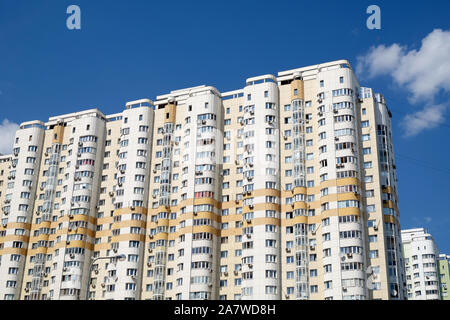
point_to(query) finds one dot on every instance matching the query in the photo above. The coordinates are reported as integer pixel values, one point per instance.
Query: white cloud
(423, 73)
(428, 118)
(379, 60)
(7, 132)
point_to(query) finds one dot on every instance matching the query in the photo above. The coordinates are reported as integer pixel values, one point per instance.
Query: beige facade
(283, 189)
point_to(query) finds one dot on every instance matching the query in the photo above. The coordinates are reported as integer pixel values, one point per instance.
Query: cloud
(428, 219)
(7, 133)
(428, 118)
(379, 60)
(424, 73)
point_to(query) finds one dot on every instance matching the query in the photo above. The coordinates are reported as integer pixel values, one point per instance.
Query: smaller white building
(420, 255)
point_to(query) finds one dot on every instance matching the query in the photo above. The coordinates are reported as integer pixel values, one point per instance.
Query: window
(368, 165)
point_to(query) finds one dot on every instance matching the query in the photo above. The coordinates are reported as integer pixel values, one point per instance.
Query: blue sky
(133, 49)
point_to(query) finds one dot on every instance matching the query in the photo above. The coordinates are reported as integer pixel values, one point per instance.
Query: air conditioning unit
(111, 193)
(149, 264)
(343, 258)
(72, 256)
(336, 138)
(288, 250)
(80, 144)
(154, 170)
(335, 111)
(210, 285)
(210, 270)
(236, 201)
(93, 285)
(119, 184)
(225, 274)
(250, 266)
(65, 269)
(132, 208)
(151, 236)
(67, 242)
(79, 154)
(236, 272)
(203, 121)
(344, 289)
(349, 255)
(286, 296)
(103, 285)
(252, 112)
(237, 162)
(312, 248)
(375, 228)
(115, 250)
(249, 236)
(250, 165)
(313, 232)
(249, 221)
(96, 271)
(251, 206)
(285, 137)
(320, 114)
(195, 213)
(150, 250)
(27, 289)
(122, 171)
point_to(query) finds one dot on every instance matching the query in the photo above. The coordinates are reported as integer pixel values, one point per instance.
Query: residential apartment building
(444, 275)
(421, 267)
(283, 189)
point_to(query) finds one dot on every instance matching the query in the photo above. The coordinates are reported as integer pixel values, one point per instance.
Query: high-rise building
(420, 255)
(283, 189)
(444, 275)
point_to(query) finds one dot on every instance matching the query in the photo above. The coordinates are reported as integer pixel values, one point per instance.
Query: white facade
(422, 274)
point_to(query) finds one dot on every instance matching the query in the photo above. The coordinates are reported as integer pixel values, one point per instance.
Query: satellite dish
(369, 270)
